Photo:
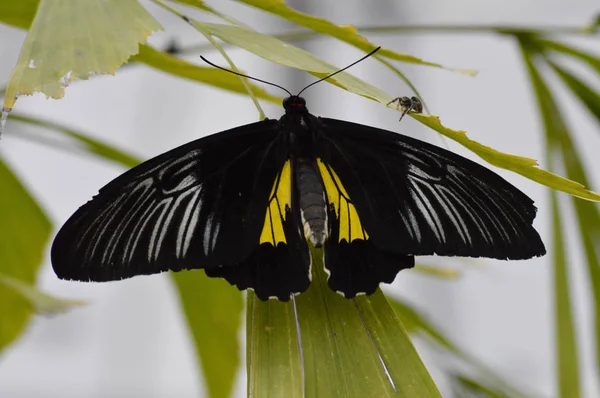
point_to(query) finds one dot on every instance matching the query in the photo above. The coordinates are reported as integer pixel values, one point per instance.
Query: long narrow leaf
(567, 362)
(215, 77)
(524, 166)
(18, 13)
(347, 33)
(72, 39)
(214, 316)
(349, 348)
(417, 324)
(273, 355)
(558, 138)
(589, 97)
(570, 51)
(87, 144)
(24, 232)
(40, 302)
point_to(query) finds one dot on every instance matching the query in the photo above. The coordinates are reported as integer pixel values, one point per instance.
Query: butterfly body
(246, 205)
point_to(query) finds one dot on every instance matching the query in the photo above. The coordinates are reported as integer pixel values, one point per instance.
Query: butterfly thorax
(301, 128)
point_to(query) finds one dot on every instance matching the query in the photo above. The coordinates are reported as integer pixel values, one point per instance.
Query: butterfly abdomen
(313, 207)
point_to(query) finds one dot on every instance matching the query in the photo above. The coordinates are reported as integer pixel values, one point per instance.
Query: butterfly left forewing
(201, 205)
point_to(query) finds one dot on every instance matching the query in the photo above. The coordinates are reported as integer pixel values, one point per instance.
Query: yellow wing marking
(350, 226)
(281, 195)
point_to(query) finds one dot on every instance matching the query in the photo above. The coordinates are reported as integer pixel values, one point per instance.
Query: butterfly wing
(201, 205)
(414, 198)
(280, 266)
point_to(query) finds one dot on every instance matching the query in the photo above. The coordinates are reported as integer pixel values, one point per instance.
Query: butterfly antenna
(246, 76)
(341, 70)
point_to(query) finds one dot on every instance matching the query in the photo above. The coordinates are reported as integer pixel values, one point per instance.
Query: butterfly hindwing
(414, 198)
(355, 265)
(280, 265)
(201, 205)
(358, 266)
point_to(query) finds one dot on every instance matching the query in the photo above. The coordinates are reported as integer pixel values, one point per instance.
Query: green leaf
(286, 54)
(22, 17)
(590, 59)
(18, 13)
(23, 236)
(467, 387)
(416, 323)
(344, 344)
(73, 39)
(346, 33)
(586, 95)
(86, 144)
(594, 26)
(273, 362)
(559, 140)
(215, 77)
(438, 272)
(40, 302)
(525, 166)
(567, 363)
(214, 314)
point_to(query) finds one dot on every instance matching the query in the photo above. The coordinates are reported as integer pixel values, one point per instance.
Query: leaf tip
(468, 72)
(3, 117)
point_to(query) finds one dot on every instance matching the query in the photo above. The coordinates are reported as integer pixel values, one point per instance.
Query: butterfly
(249, 204)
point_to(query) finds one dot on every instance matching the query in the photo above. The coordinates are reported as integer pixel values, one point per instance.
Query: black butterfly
(246, 204)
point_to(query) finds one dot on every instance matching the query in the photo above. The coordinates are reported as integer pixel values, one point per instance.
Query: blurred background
(131, 339)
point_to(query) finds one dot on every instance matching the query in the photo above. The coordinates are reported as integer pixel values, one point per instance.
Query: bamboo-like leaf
(273, 359)
(23, 237)
(464, 386)
(567, 363)
(417, 323)
(568, 50)
(438, 272)
(217, 45)
(215, 77)
(206, 8)
(86, 144)
(525, 166)
(349, 348)
(73, 39)
(286, 54)
(40, 302)
(212, 309)
(23, 16)
(589, 97)
(346, 33)
(18, 13)
(214, 316)
(559, 139)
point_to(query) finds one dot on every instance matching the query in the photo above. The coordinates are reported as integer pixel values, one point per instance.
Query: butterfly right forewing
(415, 198)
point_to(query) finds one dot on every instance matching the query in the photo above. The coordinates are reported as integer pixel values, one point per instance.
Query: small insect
(406, 105)
(247, 205)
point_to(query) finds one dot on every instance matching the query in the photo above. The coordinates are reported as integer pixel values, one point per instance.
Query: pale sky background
(131, 341)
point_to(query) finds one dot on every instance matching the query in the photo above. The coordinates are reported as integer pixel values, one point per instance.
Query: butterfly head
(294, 104)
